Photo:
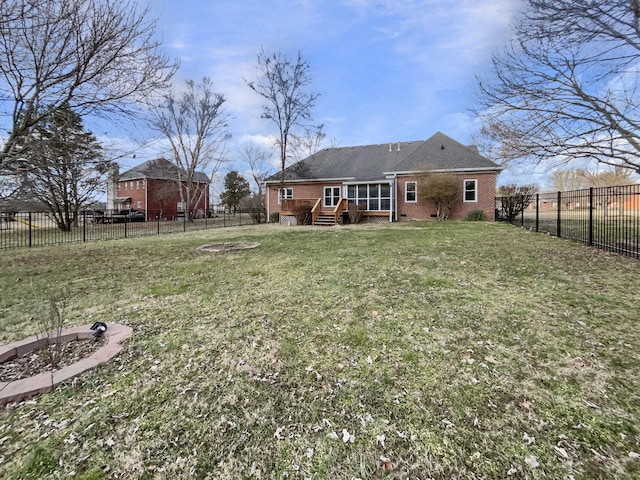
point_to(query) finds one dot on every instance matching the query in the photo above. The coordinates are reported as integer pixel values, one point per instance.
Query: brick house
(153, 187)
(383, 179)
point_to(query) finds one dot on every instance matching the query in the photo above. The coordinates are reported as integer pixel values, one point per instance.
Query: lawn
(411, 350)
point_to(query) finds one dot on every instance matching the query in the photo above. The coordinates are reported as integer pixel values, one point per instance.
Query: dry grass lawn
(456, 350)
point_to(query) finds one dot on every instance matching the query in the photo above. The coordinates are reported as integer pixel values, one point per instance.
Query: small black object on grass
(100, 328)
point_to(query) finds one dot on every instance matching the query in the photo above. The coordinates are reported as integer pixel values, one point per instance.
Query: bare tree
(567, 87)
(575, 179)
(441, 188)
(93, 56)
(195, 127)
(566, 180)
(308, 143)
(283, 85)
(608, 178)
(258, 160)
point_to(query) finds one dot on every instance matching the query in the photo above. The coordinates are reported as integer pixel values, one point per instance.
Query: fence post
(126, 220)
(522, 212)
(30, 231)
(537, 212)
(590, 215)
(184, 221)
(84, 225)
(558, 222)
(158, 222)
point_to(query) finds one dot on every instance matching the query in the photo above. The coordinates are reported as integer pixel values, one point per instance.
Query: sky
(386, 70)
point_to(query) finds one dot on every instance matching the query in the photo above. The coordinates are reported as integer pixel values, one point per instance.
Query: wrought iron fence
(603, 217)
(36, 229)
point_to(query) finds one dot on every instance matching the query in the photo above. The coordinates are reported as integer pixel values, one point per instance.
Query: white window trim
(286, 197)
(475, 190)
(415, 192)
(358, 200)
(324, 195)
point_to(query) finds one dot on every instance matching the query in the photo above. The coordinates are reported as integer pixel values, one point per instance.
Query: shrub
(303, 214)
(274, 217)
(515, 199)
(443, 189)
(476, 216)
(51, 318)
(355, 211)
(257, 214)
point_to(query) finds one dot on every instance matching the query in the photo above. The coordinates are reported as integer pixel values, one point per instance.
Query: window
(331, 196)
(126, 185)
(285, 194)
(180, 207)
(376, 196)
(137, 184)
(470, 190)
(143, 183)
(410, 191)
(138, 204)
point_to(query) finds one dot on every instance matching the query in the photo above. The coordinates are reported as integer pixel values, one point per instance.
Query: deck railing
(290, 205)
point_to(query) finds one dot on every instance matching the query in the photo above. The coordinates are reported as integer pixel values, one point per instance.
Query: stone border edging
(18, 390)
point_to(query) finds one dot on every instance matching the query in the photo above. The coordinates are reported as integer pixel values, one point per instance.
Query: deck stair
(325, 220)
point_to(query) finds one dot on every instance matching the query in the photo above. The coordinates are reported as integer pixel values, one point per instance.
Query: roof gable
(375, 162)
(160, 169)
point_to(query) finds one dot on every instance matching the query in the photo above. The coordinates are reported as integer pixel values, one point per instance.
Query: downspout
(268, 202)
(393, 214)
(146, 198)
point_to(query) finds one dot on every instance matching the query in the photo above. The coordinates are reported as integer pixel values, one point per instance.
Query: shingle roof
(374, 162)
(160, 169)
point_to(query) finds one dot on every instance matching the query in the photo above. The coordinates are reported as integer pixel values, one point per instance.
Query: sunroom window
(375, 196)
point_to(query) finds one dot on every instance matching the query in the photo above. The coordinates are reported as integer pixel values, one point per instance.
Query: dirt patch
(227, 247)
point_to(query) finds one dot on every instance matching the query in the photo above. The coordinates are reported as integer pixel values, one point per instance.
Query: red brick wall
(421, 210)
(154, 195)
(486, 185)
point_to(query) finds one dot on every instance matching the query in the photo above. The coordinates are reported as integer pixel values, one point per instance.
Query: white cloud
(387, 69)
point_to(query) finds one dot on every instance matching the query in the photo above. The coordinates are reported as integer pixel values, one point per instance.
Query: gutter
(449, 170)
(308, 180)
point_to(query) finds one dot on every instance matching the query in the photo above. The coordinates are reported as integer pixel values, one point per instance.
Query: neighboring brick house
(153, 187)
(383, 178)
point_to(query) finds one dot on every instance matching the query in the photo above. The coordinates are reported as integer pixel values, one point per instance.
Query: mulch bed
(40, 361)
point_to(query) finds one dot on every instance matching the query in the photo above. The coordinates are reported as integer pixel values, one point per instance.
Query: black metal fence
(37, 229)
(604, 217)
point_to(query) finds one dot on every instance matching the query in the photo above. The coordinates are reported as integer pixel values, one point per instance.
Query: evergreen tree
(236, 188)
(65, 166)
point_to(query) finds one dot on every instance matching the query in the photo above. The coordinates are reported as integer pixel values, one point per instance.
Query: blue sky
(387, 70)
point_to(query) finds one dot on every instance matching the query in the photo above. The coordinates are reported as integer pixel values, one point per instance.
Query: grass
(41, 231)
(452, 350)
(615, 232)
